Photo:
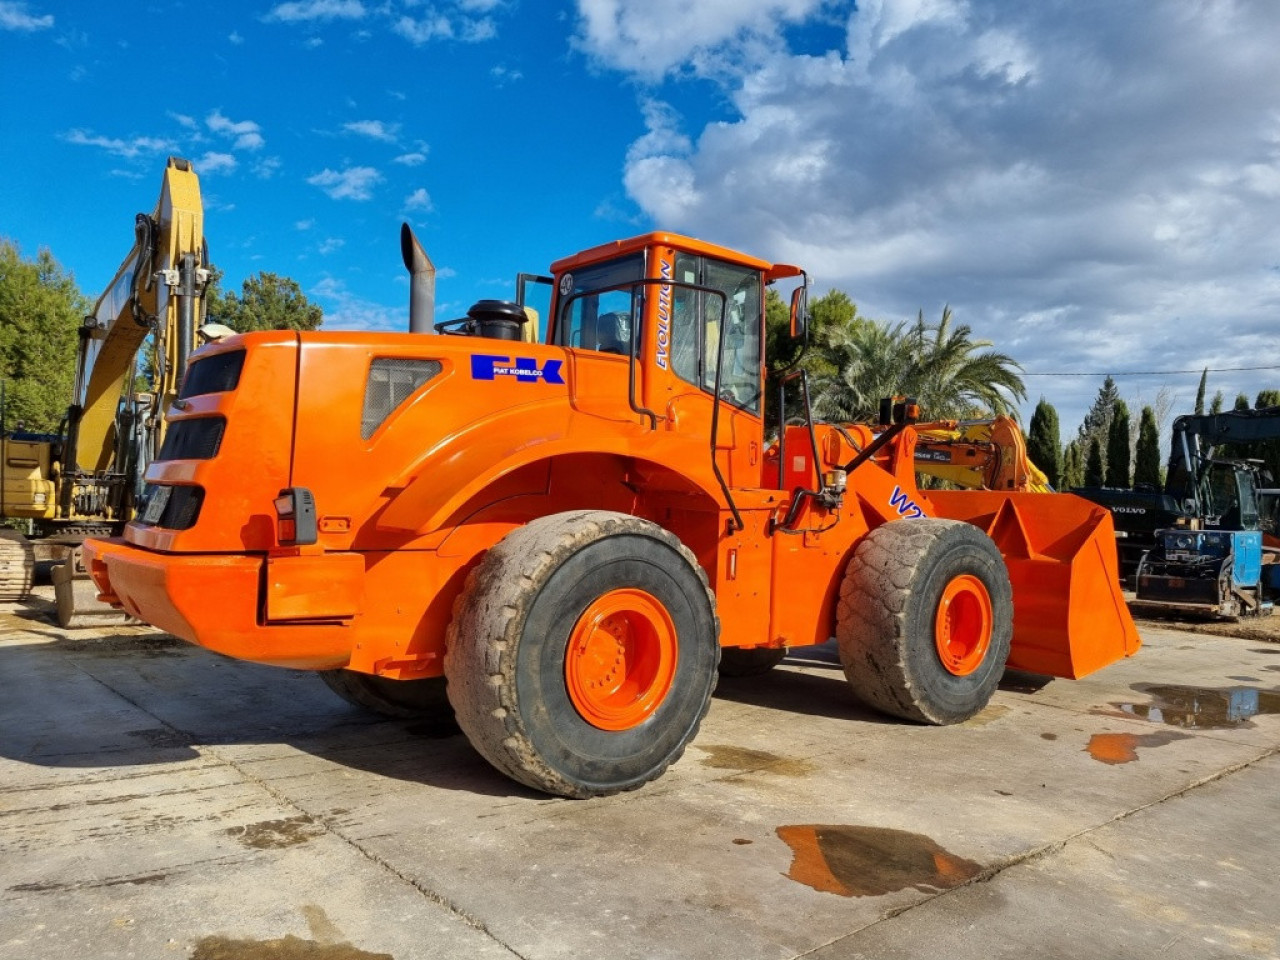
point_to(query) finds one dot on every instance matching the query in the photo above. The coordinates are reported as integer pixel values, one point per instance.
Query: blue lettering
(904, 505)
(664, 317)
(486, 366)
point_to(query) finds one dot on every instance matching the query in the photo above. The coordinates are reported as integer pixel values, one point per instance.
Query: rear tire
(405, 699)
(582, 653)
(755, 662)
(925, 620)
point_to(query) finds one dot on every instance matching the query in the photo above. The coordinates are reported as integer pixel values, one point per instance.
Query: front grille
(392, 380)
(193, 439)
(178, 509)
(219, 373)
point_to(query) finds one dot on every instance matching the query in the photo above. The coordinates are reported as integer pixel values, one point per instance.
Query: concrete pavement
(160, 801)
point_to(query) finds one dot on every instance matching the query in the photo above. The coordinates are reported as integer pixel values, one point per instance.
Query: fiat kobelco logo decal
(487, 366)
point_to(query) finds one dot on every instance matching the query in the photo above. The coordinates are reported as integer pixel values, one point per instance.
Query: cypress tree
(1146, 467)
(1042, 442)
(1117, 469)
(1093, 476)
(1204, 379)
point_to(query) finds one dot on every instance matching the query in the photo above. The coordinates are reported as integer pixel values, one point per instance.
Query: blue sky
(1093, 185)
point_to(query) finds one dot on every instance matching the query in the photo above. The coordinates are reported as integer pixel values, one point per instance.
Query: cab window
(597, 305)
(700, 319)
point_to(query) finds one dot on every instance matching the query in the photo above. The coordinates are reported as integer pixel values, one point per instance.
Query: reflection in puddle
(1114, 748)
(1203, 708)
(871, 861)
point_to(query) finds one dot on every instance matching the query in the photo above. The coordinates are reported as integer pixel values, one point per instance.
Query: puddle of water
(1245, 679)
(1274, 651)
(276, 834)
(285, 948)
(746, 761)
(1203, 708)
(1116, 748)
(1048, 736)
(871, 861)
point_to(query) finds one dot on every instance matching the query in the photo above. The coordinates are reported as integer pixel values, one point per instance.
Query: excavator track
(17, 566)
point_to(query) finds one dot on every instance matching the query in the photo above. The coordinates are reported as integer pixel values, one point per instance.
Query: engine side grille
(193, 439)
(392, 380)
(216, 374)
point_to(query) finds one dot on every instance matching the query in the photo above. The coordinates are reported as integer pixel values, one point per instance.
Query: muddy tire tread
(874, 607)
(483, 635)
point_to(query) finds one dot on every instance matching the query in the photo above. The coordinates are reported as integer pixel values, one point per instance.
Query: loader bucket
(1069, 616)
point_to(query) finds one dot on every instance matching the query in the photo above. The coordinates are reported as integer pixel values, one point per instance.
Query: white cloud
(247, 134)
(304, 224)
(331, 245)
(353, 183)
(656, 37)
(122, 148)
(14, 16)
(418, 32)
(234, 38)
(374, 129)
(419, 201)
(458, 24)
(415, 159)
(307, 10)
(267, 167)
(344, 310)
(183, 120)
(1039, 167)
(213, 163)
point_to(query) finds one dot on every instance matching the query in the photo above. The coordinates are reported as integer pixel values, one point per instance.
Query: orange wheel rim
(962, 628)
(621, 659)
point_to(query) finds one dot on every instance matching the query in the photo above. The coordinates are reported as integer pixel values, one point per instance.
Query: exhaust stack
(422, 282)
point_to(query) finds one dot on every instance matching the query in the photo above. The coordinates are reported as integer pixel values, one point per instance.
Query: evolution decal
(664, 317)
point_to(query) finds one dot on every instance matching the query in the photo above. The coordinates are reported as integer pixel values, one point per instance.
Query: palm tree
(938, 365)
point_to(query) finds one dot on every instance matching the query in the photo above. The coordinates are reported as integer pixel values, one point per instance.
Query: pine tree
(1042, 442)
(1117, 470)
(1093, 475)
(1098, 420)
(1146, 467)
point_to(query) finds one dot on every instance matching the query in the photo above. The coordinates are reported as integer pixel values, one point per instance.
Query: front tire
(925, 620)
(583, 652)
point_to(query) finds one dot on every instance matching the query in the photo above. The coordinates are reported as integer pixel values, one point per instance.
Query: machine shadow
(136, 699)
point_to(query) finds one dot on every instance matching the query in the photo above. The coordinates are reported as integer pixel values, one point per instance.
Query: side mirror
(800, 312)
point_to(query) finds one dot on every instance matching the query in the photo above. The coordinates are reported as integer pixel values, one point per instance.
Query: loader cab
(668, 300)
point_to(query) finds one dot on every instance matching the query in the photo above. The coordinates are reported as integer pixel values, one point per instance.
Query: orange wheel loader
(568, 536)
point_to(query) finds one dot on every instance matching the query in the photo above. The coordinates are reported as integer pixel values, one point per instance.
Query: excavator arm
(158, 287)
(978, 455)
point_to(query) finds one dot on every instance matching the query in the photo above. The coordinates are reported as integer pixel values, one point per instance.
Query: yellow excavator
(978, 455)
(84, 480)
